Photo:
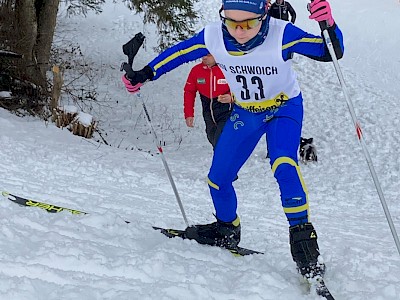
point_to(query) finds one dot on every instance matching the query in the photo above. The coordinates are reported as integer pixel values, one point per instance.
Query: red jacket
(209, 82)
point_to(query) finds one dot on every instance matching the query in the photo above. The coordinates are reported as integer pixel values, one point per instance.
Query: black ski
(45, 206)
(321, 289)
(51, 208)
(317, 283)
(237, 251)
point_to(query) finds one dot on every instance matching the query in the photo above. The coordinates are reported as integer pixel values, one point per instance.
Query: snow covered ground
(100, 256)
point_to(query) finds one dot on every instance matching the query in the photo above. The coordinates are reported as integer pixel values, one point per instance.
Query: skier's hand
(226, 98)
(133, 80)
(189, 121)
(321, 11)
(133, 89)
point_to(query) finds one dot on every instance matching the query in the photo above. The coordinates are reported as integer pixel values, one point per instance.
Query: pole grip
(132, 47)
(129, 73)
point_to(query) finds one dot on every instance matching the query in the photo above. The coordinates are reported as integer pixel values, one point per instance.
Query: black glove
(140, 76)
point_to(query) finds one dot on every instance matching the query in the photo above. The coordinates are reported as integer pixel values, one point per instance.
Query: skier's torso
(210, 81)
(260, 80)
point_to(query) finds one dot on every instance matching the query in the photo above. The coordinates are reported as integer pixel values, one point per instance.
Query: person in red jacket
(208, 79)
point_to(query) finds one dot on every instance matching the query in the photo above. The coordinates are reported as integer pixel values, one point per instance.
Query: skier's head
(243, 18)
(254, 6)
(208, 60)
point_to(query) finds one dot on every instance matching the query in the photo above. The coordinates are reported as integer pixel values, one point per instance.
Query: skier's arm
(189, 95)
(179, 54)
(298, 41)
(292, 12)
(168, 60)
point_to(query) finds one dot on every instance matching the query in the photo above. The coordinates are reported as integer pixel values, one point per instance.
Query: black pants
(215, 120)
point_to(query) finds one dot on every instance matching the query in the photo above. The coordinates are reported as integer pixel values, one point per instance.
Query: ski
(45, 206)
(237, 251)
(51, 208)
(317, 283)
(322, 289)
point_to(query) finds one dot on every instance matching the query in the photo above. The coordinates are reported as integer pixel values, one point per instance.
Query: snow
(5, 94)
(100, 256)
(71, 109)
(85, 119)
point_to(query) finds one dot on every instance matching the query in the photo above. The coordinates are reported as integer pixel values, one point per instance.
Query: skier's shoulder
(275, 23)
(198, 68)
(217, 72)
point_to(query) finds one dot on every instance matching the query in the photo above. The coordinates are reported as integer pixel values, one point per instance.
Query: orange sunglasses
(245, 24)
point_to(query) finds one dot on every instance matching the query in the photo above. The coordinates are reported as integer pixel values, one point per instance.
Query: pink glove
(321, 11)
(133, 89)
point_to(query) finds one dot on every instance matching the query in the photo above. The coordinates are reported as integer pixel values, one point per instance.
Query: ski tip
(239, 251)
(5, 194)
(169, 232)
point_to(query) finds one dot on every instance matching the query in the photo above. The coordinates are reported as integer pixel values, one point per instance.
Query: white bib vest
(260, 80)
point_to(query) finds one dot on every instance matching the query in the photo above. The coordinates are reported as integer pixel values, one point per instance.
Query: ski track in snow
(99, 256)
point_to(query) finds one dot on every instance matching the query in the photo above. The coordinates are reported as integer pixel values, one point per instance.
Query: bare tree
(76, 7)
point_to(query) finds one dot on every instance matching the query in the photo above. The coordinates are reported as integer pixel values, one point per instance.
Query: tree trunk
(26, 31)
(46, 12)
(35, 26)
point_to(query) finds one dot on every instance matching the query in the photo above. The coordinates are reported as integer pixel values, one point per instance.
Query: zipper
(211, 98)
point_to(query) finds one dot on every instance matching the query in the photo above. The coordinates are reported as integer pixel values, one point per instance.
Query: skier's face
(242, 25)
(208, 60)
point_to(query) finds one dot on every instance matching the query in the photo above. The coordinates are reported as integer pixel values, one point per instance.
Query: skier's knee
(218, 183)
(213, 184)
(286, 169)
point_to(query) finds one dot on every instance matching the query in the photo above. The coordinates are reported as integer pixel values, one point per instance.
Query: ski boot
(305, 251)
(221, 234)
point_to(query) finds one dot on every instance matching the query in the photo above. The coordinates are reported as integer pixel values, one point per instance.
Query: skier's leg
(218, 130)
(222, 114)
(283, 134)
(241, 134)
(210, 127)
(238, 139)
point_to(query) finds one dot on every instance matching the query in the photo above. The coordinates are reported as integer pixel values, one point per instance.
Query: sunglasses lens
(231, 24)
(246, 25)
(253, 23)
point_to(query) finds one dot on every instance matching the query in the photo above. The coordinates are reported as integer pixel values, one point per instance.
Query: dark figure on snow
(281, 10)
(208, 79)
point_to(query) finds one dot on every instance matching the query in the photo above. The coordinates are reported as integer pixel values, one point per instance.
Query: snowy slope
(99, 256)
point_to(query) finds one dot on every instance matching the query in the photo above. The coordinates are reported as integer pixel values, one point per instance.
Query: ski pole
(357, 126)
(130, 49)
(160, 150)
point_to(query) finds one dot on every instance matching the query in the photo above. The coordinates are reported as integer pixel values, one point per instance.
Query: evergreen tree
(175, 19)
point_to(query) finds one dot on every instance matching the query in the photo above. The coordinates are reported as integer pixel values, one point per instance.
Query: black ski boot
(221, 234)
(305, 251)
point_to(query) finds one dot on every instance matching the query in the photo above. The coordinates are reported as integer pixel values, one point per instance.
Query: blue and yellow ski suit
(280, 117)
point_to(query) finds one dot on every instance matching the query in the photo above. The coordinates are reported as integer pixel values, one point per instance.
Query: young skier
(208, 79)
(254, 52)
